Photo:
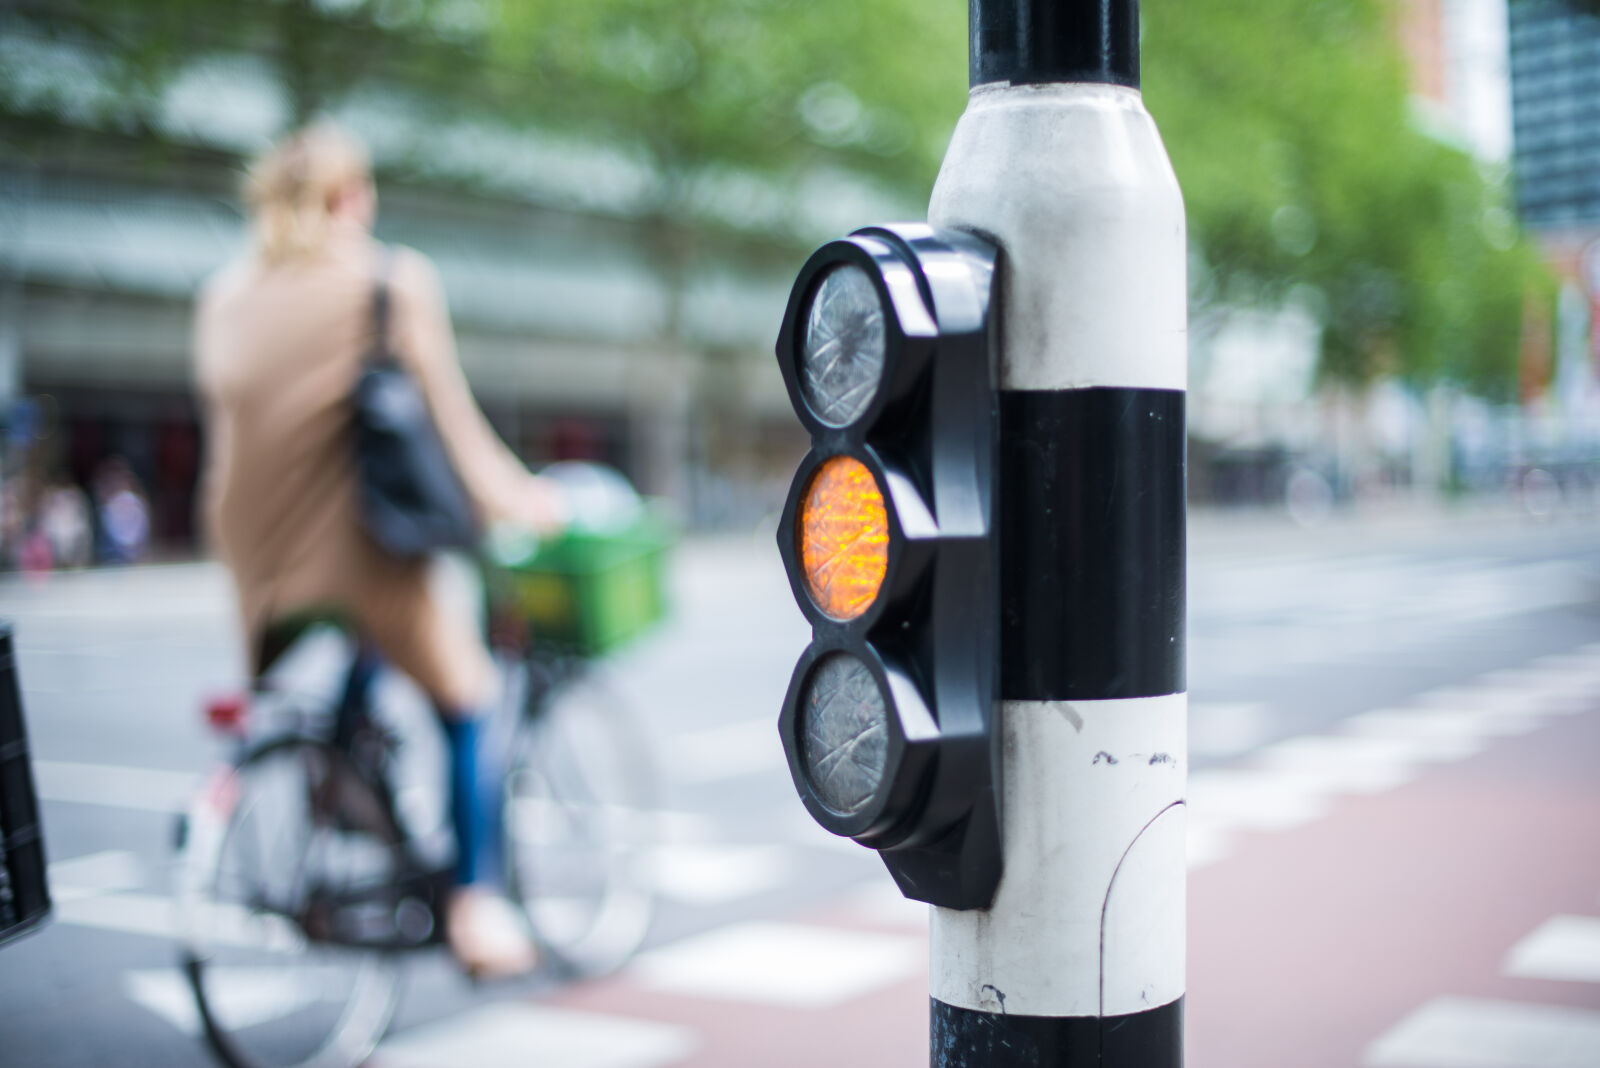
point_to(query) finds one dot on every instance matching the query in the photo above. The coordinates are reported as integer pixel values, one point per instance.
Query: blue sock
(491, 828)
(465, 810)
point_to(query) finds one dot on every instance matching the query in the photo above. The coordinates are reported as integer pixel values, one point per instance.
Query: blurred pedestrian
(12, 521)
(64, 520)
(27, 547)
(280, 337)
(124, 512)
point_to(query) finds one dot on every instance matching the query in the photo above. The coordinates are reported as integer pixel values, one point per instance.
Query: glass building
(1555, 99)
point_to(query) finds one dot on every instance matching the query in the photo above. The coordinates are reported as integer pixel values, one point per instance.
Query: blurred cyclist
(280, 335)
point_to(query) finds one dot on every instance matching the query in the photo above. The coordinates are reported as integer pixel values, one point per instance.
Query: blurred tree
(767, 84)
(1303, 163)
(318, 50)
(694, 87)
(1287, 120)
(772, 86)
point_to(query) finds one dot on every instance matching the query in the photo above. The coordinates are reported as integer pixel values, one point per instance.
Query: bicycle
(302, 888)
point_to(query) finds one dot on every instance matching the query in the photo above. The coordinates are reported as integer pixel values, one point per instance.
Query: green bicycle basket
(592, 592)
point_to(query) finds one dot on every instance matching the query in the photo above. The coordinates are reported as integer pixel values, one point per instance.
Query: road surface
(1395, 806)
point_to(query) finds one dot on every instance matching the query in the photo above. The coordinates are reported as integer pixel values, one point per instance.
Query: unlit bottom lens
(844, 733)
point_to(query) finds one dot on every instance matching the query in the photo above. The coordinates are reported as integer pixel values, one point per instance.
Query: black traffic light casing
(930, 637)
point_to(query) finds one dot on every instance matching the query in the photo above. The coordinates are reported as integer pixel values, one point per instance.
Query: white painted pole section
(1084, 780)
(1071, 180)
(1074, 185)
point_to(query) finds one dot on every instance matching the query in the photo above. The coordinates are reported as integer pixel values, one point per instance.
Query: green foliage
(767, 84)
(1288, 122)
(320, 50)
(1303, 163)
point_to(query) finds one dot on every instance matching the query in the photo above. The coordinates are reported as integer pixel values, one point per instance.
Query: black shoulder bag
(412, 500)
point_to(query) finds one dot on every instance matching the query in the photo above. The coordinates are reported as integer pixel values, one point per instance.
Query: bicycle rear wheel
(581, 826)
(288, 863)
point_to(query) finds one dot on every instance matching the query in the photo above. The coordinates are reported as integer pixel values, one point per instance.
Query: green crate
(592, 592)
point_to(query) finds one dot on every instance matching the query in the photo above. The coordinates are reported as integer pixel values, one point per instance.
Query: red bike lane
(1306, 946)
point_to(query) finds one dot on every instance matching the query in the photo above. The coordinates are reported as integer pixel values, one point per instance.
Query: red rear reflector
(228, 713)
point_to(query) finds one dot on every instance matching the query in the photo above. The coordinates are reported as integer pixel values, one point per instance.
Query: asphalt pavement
(1395, 723)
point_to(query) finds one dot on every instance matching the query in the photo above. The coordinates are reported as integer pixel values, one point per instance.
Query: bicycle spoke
(262, 893)
(579, 823)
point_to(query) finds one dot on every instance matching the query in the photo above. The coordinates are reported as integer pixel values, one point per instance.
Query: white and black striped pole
(1080, 958)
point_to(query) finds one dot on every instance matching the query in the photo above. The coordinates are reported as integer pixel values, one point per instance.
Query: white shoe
(488, 935)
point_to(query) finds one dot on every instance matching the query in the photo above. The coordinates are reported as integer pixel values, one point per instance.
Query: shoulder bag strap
(381, 351)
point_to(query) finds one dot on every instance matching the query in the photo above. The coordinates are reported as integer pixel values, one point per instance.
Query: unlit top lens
(841, 360)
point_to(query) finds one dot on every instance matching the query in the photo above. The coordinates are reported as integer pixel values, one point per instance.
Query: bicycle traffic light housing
(888, 540)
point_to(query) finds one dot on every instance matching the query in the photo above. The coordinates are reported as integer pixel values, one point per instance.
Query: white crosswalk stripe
(1254, 799)
(242, 997)
(1293, 782)
(715, 754)
(879, 902)
(1564, 948)
(152, 915)
(515, 1035)
(103, 890)
(708, 875)
(1456, 1032)
(1339, 764)
(1278, 616)
(93, 874)
(783, 964)
(145, 789)
(1226, 729)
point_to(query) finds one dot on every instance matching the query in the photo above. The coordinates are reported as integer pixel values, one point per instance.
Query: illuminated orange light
(844, 538)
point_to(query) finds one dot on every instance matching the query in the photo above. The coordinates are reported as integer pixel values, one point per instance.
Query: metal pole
(1080, 960)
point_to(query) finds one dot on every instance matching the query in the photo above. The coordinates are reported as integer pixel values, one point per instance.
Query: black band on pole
(1091, 544)
(972, 1039)
(1027, 42)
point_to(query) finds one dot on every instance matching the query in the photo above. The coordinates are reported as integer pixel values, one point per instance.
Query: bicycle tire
(580, 823)
(267, 1016)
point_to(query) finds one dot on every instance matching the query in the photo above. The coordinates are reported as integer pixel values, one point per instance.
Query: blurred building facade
(580, 338)
(1456, 54)
(588, 331)
(1555, 94)
(1554, 51)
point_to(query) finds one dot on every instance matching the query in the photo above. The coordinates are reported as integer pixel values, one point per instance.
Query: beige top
(277, 352)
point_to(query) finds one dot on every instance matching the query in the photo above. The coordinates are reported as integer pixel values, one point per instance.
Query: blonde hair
(292, 188)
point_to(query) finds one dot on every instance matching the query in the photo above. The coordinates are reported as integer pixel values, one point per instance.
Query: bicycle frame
(364, 745)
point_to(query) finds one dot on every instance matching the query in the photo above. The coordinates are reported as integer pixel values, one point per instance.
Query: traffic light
(888, 540)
